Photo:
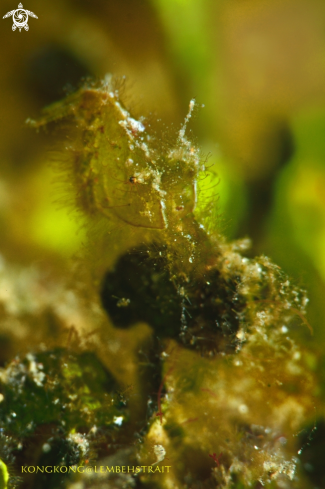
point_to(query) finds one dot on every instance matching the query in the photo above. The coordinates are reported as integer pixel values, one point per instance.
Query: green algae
(57, 401)
(4, 475)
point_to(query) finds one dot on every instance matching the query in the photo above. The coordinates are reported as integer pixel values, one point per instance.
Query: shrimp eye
(133, 179)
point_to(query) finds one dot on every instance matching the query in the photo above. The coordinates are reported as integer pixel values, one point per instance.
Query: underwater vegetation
(191, 362)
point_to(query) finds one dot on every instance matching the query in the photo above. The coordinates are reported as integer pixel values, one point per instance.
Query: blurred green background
(258, 66)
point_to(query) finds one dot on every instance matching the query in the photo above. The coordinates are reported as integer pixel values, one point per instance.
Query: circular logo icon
(20, 18)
